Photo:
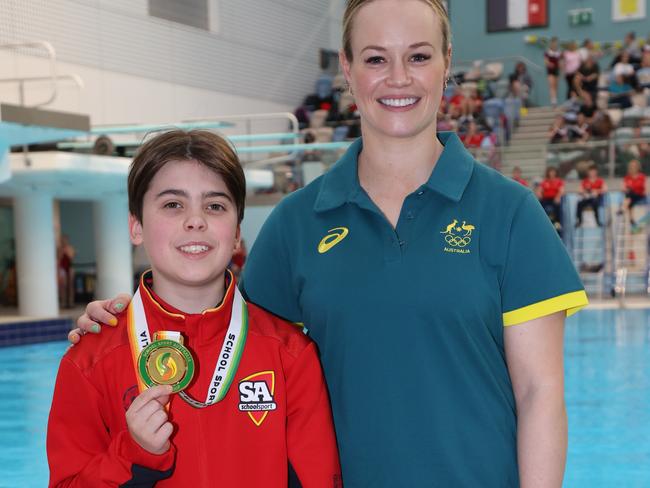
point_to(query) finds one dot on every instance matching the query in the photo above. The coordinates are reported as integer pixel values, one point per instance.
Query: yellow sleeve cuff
(571, 302)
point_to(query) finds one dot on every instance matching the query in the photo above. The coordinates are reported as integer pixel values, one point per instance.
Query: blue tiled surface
(31, 332)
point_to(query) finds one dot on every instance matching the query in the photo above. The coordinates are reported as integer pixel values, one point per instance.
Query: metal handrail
(595, 143)
(72, 77)
(612, 143)
(51, 54)
(524, 59)
(249, 118)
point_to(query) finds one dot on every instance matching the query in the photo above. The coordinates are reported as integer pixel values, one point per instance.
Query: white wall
(114, 98)
(259, 50)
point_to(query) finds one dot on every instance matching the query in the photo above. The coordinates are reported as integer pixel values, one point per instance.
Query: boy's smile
(189, 229)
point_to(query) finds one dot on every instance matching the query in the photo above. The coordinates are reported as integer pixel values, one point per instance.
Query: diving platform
(20, 126)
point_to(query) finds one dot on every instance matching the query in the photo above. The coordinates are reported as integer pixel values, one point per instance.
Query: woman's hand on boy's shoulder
(97, 313)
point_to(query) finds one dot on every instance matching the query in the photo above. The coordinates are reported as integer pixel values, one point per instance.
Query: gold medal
(166, 362)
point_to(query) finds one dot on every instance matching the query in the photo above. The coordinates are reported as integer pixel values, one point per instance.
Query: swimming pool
(607, 391)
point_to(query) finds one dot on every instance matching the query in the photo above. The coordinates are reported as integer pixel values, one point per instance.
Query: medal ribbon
(229, 356)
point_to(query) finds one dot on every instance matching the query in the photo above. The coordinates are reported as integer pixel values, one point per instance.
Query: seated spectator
(475, 103)
(643, 73)
(472, 138)
(623, 67)
(309, 155)
(302, 114)
(620, 92)
(592, 190)
(601, 125)
(559, 132)
(550, 192)
(634, 189)
(516, 175)
(458, 105)
(586, 79)
(587, 106)
(522, 82)
(444, 121)
(579, 130)
(640, 148)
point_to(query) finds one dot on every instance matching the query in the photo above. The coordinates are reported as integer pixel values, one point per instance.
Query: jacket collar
(162, 310)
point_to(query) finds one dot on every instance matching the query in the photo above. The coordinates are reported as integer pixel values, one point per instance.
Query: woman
(404, 262)
(523, 81)
(552, 59)
(65, 254)
(572, 61)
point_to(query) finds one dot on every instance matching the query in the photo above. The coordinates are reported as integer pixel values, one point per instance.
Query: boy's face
(189, 226)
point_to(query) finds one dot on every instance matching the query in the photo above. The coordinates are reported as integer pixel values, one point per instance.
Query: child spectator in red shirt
(592, 190)
(550, 193)
(516, 175)
(634, 188)
(472, 138)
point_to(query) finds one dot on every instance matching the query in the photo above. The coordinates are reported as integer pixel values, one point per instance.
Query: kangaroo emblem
(450, 227)
(467, 228)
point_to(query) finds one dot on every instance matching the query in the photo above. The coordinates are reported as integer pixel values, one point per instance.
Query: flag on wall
(516, 14)
(628, 10)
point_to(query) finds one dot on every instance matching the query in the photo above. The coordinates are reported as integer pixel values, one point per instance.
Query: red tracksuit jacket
(88, 443)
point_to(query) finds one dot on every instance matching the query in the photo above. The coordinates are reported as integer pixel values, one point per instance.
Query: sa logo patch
(256, 395)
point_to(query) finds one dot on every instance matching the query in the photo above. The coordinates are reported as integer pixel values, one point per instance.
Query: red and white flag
(516, 14)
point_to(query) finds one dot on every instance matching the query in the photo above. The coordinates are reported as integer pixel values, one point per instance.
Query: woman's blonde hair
(353, 7)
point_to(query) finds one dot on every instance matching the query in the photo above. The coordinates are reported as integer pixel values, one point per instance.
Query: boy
(106, 428)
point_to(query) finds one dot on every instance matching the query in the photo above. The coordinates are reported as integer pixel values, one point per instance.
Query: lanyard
(228, 359)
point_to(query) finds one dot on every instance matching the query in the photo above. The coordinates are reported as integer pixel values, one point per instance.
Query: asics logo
(333, 237)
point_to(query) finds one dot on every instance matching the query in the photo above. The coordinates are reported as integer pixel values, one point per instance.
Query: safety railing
(53, 78)
(483, 70)
(611, 156)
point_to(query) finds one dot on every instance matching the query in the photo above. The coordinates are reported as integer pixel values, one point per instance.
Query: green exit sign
(581, 16)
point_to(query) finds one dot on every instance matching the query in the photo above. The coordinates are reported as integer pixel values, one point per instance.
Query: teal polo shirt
(409, 320)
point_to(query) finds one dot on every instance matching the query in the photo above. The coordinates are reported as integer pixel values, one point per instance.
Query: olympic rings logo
(456, 241)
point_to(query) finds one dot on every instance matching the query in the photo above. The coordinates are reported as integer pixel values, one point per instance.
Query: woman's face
(398, 68)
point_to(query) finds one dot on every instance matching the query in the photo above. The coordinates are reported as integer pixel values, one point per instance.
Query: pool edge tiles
(33, 331)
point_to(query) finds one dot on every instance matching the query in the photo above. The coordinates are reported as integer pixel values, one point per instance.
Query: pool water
(607, 354)
(27, 375)
(607, 364)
